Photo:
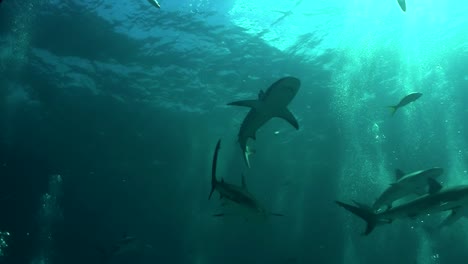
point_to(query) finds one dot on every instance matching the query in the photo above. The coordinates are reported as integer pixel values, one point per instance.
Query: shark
(236, 194)
(404, 101)
(454, 199)
(270, 103)
(405, 185)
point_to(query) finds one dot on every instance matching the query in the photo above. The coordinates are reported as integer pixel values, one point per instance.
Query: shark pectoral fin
(434, 186)
(452, 218)
(247, 103)
(288, 116)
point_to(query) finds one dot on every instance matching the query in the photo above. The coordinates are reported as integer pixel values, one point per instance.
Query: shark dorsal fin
(244, 185)
(399, 174)
(434, 186)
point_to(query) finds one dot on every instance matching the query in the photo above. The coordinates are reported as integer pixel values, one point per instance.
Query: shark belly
(254, 120)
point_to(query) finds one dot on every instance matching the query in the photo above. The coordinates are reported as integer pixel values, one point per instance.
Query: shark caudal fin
(363, 212)
(213, 168)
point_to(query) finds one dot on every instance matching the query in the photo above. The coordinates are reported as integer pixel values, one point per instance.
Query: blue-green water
(126, 102)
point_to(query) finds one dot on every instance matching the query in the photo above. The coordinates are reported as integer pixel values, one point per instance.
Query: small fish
(406, 100)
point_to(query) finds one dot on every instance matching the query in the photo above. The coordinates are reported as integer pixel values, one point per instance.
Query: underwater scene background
(110, 112)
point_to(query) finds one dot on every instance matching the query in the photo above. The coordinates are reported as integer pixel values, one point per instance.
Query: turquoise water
(110, 112)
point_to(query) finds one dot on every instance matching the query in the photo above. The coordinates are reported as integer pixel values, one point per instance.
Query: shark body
(405, 185)
(437, 200)
(271, 103)
(236, 194)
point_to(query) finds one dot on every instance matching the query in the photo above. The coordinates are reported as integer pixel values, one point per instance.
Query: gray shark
(404, 101)
(453, 217)
(271, 103)
(405, 185)
(234, 193)
(437, 200)
(402, 4)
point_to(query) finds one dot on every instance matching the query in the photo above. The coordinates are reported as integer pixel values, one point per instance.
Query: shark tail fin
(364, 213)
(393, 109)
(213, 168)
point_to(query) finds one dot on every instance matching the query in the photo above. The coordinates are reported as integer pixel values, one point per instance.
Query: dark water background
(126, 103)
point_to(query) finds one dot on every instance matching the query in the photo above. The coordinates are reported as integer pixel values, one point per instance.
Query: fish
(406, 100)
(271, 103)
(435, 201)
(405, 185)
(236, 194)
(120, 247)
(155, 3)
